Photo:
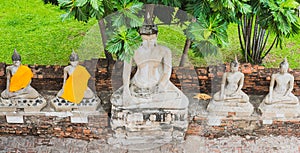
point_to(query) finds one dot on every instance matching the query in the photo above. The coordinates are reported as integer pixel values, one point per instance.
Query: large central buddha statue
(150, 87)
(148, 102)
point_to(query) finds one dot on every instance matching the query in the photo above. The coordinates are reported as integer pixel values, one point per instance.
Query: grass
(290, 49)
(40, 36)
(38, 33)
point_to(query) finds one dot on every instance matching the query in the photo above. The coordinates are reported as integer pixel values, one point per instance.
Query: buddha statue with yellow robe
(19, 95)
(76, 78)
(18, 80)
(75, 93)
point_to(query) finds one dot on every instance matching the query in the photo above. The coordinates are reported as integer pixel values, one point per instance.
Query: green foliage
(208, 35)
(82, 10)
(125, 38)
(37, 32)
(127, 13)
(124, 43)
(266, 17)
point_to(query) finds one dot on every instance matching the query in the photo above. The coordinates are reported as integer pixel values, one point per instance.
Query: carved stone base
(26, 105)
(89, 105)
(279, 110)
(237, 109)
(140, 129)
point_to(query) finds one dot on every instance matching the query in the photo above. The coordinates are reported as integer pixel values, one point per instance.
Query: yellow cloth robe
(76, 85)
(20, 79)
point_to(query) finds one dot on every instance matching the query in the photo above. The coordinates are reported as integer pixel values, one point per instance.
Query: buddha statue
(18, 81)
(150, 87)
(282, 93)
(75, 82)
(280, 101)
(231, 99)
(231, 86)
(75, 94)
(148, 102)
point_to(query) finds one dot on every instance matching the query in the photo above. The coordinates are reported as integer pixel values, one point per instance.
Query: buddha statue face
(283, 67)
(17, 63)
(234, 66)
(149, 40)
(74, 59)
(149, 35)
(74, 63)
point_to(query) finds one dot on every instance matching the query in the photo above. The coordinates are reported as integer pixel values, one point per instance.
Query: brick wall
(250, 127)
(189, 79)
(53, 126)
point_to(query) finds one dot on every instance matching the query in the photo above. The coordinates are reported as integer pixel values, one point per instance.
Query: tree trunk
(148, 16)
(185, 52)
(104, 40)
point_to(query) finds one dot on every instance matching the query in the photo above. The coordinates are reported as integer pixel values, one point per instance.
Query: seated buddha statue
(18, 81)
(150, 87)
(75, 82)
(284, 84)
(231, 99)
(231, 86)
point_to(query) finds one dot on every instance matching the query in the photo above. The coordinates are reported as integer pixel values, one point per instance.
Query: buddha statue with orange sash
(75, 86)
(18, 81)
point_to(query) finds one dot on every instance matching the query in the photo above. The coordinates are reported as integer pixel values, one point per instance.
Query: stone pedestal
(144, 128)
(88, 105)
(20, 105)
(274, 111)
(237, 109)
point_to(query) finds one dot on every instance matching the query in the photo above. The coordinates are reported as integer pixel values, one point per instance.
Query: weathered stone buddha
(18, 92)
(150, 87)
(280, 99)
(76, 78)
(75, 88)
(231, 98)
(18, 80)
(147, 108)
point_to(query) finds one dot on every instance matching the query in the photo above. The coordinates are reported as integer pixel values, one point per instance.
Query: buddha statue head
(284, 66)
(149, 35)
(74, 59)
(16, 58)
(234, 65)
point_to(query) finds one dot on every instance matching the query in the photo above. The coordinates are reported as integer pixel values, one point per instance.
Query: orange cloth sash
(76, 85)
(20, 79)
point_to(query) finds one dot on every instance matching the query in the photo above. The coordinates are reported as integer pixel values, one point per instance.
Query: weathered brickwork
(189, 79)
(246, 127)
(53, 126)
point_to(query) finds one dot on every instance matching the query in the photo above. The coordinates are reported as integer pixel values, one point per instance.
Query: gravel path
(193, 144)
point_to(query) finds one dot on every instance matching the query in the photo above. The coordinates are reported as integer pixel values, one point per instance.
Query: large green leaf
(124, 42)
